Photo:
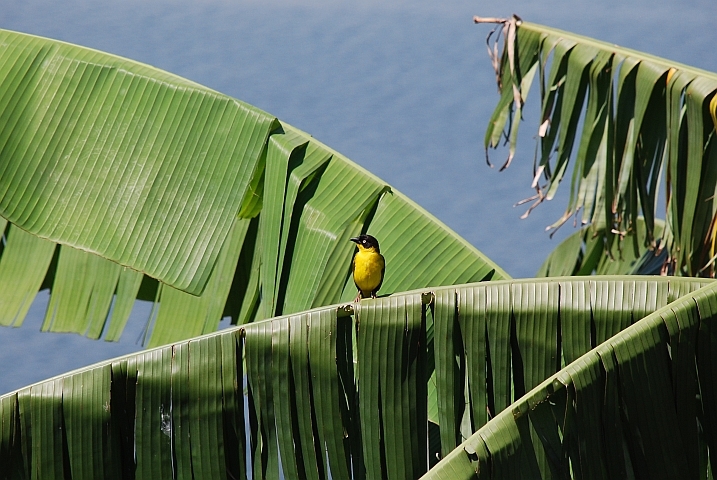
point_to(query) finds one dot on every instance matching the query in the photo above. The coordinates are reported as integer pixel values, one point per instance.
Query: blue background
(404, 89)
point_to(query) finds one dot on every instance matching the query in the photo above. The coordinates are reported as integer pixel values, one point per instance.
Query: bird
(368, 266)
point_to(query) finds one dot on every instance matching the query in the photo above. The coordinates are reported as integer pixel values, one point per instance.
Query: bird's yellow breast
(368, 269)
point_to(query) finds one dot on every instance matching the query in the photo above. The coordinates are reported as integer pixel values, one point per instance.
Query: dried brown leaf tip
(507, 28)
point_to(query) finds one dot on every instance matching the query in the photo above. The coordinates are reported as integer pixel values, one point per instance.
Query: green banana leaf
(584, 253)
(342, 391)
(120, 181)
(639, 405)
(629, 123)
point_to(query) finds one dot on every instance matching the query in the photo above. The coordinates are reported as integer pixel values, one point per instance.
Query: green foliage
(584, 253)
(120, 181)
(628, 122)
(344, 389)
(640, 405)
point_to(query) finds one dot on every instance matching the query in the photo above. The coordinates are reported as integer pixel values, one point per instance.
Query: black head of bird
(366, 242)
(368, 266)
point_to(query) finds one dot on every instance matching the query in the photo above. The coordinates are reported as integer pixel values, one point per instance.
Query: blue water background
(404, 89)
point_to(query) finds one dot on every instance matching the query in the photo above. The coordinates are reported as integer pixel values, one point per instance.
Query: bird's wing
(383, 271)
(353, 268)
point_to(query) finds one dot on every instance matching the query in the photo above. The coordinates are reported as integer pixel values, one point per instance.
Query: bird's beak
(355, 239)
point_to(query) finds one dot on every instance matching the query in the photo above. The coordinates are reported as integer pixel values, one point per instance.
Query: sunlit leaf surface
(119, 182)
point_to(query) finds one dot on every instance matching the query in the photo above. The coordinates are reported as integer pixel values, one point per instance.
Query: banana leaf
(341, 391)
(639, 405)
(628, 124)
(119, 182)
(584, 253)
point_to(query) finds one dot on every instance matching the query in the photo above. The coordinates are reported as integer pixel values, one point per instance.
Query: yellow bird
(368, 266)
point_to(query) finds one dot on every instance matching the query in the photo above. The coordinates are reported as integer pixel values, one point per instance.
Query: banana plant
(584, 253)
(342, 391)
(639, 405)
(646, 121)
(119, 182)
(210, 207)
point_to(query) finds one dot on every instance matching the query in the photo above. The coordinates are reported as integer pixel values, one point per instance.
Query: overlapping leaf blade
(200, 314)
(655, 364)
(308, 411)
(645, 120)
(108, 155)
(23, 266)
(586, 311)
(137, 173)
(584, 254)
